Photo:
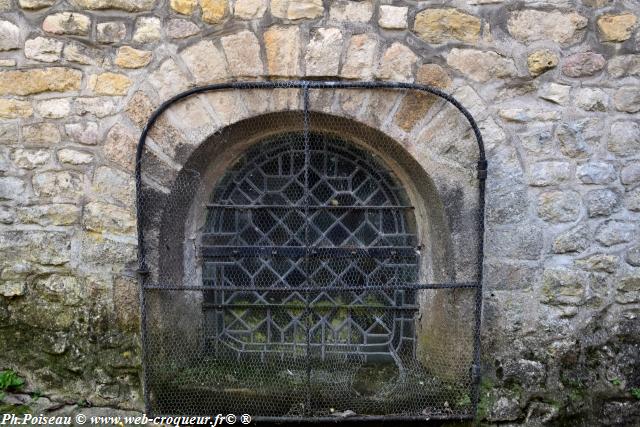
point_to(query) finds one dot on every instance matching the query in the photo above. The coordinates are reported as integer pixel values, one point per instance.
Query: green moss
(486, 398)
(15, 409)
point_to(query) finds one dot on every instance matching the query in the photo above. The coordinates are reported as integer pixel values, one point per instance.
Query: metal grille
(290, 286)
(256, 236)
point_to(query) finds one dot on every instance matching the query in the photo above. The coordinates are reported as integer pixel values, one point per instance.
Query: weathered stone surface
(442, 25)
(128, 5)
(82, 54)
(533, 25)
(12, 289)
(547, 173)
(9, 36)
(479, 65)
(596, 173)
(351, 11)
(559, 206)
(185, 7)
(35, 4)
(8, 133)
(632, 200)
(602, 202)
(37, 80)
(83, 133)
(111, 32)
(323, 52)
(415, 105)
(120, 147)
(114, 186)
(54, 214)
(148, 30)
(169, 80)
(205, 61)
(40, 134)
(282, 45)
(59, 185)
(630, 174)
(242, 51)
(112, 84)
(11, 188)
(627, 99)
(613, 232)
(301, 9)
(555, 93)
(521, 242)
(74, 157)
(624, 138)
(181, 28)
(576, 239)
(583, 64)
(504, 408)
(616, 28)
(67, 23)
(540, 61)
(633, 256)
(214, 11)
(14, 108)
(128, 57)
(590, 99)
(628, 289)
(103, 217)
(624, 65)
(577, 137)
(561, 286)
(8, 62)
(524, 115)
(393, 17)
(54, 108)
(43, 49)
(250, 9)
(359, 59)
(599, 262)
(29, 159)
(397, 63)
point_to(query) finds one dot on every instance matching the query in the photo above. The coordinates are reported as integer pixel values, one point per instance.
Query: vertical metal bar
(305, 100)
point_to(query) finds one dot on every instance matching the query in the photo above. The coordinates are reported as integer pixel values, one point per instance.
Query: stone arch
(442, 188)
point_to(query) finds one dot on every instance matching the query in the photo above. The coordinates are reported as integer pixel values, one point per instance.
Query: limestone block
(442, 25)
(479, 65)
(67, 23)
(397, 63)
(242, 51)
(359, 58)
(323, 52)
(14, 108)
(282, 45)
(43, 49)
(38, 80)
(393, 17)
(616, 28)
(532, 25)
(9, 36)
(112, 84)
(205, 61)
(128, 57)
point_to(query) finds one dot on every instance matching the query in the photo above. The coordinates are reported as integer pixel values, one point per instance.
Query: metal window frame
(305, 86)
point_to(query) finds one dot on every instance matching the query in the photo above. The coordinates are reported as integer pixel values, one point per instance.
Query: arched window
(282, 261)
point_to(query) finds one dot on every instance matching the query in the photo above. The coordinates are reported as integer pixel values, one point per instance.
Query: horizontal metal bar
(313, 306)
(301, 251)
(371, 288)
(315, 207)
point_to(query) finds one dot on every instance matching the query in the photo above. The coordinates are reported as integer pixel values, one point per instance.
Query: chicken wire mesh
(287, 272)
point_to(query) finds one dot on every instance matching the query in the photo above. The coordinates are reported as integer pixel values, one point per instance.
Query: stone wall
(554, 85)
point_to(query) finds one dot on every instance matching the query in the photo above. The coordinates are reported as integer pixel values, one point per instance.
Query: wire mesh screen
(289, 277)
